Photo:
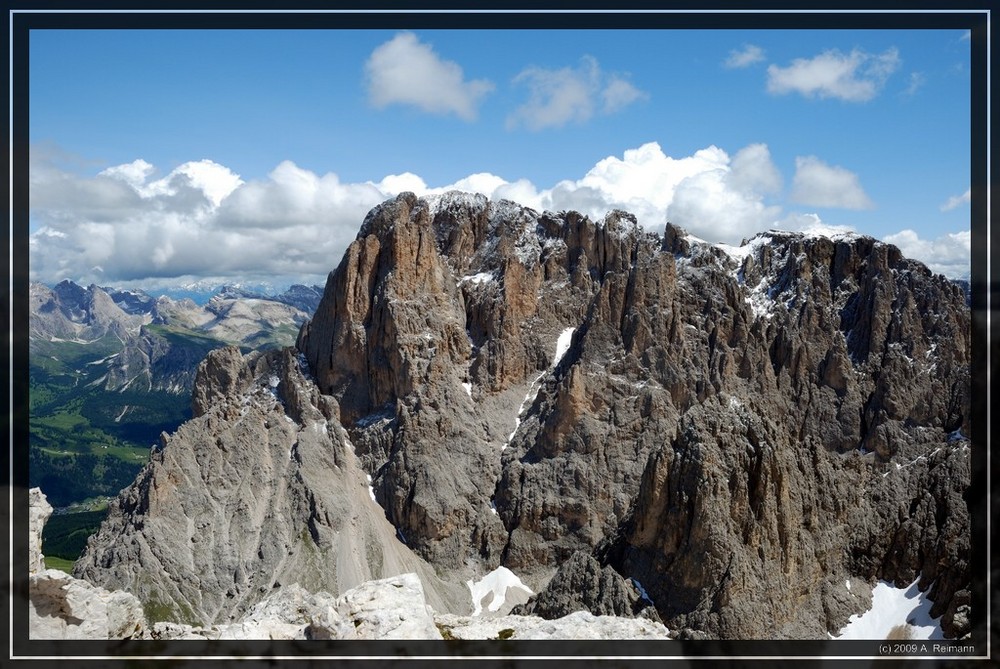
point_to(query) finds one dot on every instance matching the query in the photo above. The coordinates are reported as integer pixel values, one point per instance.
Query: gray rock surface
(582, 584)
(392, 608)
(579, 625)
(261, 489)
(63, 607)
(395, 609)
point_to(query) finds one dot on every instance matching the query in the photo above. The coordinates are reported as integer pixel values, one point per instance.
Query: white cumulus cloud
(395, 184)
(406, 71)
(753, 170)
(135, 173)
(744, 57)
(213, 181)
(820, 185)
(949, 254)
(203, 220)
(854, 77)
(199, 220)
(726, 203)
(295, 197)
(566, 95)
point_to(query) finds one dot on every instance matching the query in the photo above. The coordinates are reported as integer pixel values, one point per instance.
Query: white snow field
(892, 606)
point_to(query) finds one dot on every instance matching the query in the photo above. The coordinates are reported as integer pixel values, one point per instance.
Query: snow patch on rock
(562, 345)
(892, 606)
(497, 582)
(476, 279)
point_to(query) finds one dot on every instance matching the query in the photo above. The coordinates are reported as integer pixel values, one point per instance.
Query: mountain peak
(740, 430)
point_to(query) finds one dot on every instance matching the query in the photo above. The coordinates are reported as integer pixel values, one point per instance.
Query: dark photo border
(26, 16)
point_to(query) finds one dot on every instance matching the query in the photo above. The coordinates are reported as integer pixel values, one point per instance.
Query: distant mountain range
(110, 369)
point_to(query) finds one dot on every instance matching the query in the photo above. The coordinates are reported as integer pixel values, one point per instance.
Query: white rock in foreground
(39, 511)
(390, 608)
(63, 607)
(577, 625)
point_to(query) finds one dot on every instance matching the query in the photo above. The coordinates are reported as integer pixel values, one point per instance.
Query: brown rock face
(738, 429)
(441, 318)
(711, 403)
(737, 532)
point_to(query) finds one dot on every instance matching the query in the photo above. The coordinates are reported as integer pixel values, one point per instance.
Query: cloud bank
(126, 223)
(199, 220)
(948, 254)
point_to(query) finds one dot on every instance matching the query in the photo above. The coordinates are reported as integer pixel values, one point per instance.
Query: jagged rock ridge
(68, 312)
(738, 429)
(113, 368)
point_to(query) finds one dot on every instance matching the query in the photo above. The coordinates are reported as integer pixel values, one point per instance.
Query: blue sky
(160, 157)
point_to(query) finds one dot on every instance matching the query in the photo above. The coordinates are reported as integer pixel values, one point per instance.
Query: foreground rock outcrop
(392, 608)
(395, 608)
(62, 607)
(738, 429)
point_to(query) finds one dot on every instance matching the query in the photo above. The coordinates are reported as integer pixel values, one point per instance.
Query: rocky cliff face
(261, 488)
(738, 429)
